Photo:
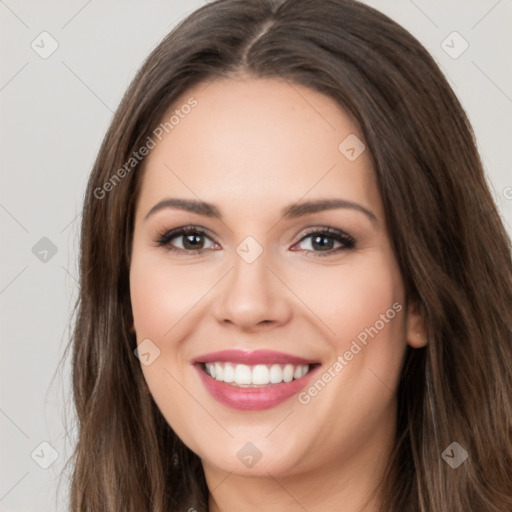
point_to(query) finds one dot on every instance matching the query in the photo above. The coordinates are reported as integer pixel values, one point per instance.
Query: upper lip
(251, 357)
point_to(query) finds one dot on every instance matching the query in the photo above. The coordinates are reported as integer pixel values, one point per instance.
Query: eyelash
(164, 238)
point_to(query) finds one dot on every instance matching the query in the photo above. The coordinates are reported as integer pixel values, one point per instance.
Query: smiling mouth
(255, 376)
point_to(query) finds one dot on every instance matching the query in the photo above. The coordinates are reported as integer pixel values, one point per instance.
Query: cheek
(351, 298)
(162, 298)
(364, 307)
(163, 294)
(167, 301)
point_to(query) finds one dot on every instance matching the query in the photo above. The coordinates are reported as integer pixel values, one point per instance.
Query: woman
(295, 286)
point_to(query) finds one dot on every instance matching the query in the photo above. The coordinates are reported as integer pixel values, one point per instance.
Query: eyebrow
(289, 212)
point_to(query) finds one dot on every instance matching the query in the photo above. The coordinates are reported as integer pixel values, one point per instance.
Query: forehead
(254, 140)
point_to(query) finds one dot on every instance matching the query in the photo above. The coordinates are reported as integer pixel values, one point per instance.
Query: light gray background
(54, 113)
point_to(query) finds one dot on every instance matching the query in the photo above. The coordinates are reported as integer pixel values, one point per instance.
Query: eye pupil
(192, 240)
(319, 242)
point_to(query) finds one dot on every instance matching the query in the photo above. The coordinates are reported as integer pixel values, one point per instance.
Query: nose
(253, 297)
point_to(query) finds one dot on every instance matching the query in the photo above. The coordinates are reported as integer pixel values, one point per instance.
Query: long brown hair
(449, 241)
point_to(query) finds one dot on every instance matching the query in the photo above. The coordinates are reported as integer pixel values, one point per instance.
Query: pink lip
(251, 357)
(252, 399)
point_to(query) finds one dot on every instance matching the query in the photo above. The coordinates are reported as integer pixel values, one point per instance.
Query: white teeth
(288, 373)
(260, 374)
(276, 374)
(243, 374)
(210, 367)
(219, 371)
(257, 375)
(229, 373)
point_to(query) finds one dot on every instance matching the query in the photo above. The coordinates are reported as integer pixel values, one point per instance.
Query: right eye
(190, 241)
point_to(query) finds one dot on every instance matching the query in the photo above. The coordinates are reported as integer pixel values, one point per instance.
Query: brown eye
(325, 240)
(188, 240)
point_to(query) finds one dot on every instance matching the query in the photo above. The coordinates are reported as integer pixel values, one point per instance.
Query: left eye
(325, 240)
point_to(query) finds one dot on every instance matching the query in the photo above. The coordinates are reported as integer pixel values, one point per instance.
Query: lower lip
(253, 399)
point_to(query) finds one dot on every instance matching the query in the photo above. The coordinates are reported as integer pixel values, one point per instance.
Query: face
(263, 283)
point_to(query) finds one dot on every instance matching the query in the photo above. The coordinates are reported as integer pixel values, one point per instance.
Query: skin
(252, 147)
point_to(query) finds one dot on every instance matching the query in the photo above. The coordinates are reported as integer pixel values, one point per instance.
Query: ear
(416, 333)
